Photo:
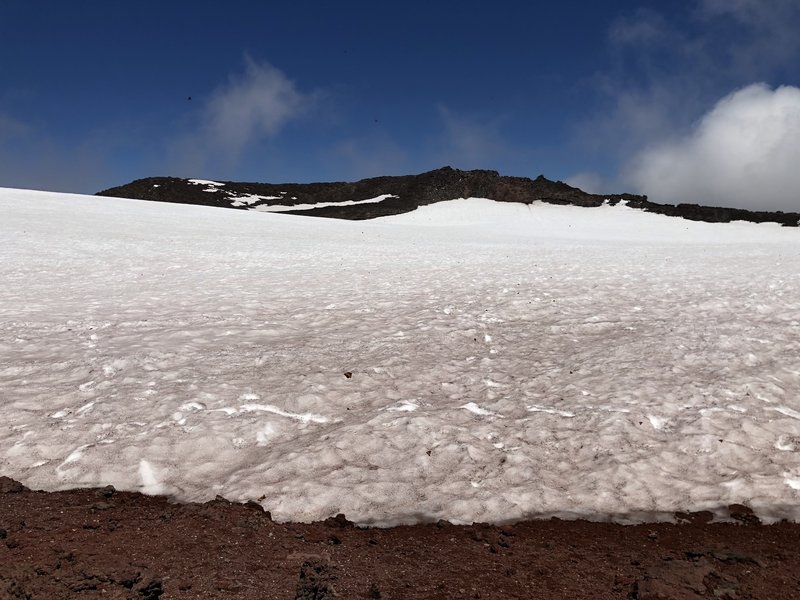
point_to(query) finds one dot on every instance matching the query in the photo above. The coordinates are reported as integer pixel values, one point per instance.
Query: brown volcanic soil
(108, 544)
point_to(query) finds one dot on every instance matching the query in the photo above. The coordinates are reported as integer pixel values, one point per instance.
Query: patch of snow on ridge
(283, 207)
(550, 362)
(205, 182)
(212, 186)
(251, 199)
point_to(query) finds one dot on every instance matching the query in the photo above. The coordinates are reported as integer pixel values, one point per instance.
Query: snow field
(507, 361)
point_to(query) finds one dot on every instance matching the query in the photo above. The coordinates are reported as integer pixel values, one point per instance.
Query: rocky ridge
(345, 200)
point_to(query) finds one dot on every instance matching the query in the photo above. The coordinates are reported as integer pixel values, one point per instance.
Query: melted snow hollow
(506, 361)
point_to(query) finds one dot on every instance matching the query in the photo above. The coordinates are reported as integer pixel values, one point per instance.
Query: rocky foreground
(106, 544)
(412, 191)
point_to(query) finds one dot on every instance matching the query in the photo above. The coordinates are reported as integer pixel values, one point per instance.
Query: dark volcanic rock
(315, 581)
(410, 192)
(716, 214)
(10, 486)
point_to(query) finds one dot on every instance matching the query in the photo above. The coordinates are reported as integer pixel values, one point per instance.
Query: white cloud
(257, 104)
(660, 77)
(249, 108)
(667, 70)
(742, 153)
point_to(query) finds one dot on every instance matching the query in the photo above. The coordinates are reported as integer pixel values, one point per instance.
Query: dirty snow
(506, 361)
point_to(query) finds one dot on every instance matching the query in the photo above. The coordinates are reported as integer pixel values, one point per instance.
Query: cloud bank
(743, 153)
(684, 120)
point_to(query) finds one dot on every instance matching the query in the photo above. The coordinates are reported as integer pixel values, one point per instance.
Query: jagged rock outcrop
(409, 192)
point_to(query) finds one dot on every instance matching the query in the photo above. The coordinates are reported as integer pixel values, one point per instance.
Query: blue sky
(659, 97)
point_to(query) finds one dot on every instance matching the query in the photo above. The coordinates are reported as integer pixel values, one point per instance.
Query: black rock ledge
(411, 191)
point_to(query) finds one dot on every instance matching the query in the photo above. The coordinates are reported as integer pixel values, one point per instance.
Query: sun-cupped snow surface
(471, 361)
